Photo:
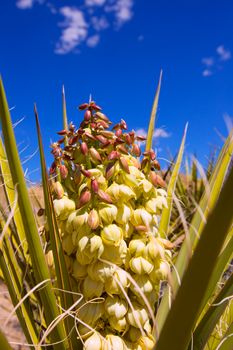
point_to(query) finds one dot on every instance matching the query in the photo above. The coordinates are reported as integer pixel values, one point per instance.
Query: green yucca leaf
(153, 116)
(185, 309)
(35, 249)
(59, 260)
(211, 318)
(227, 340)
(207, 202)
(13, 280)
(9, 190)
(165, 218)
(3, 342)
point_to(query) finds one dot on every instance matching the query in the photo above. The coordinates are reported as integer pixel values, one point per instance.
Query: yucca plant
(105, 271)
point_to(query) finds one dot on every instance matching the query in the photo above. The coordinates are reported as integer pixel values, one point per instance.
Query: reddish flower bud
(104, 196)
(85, 172)
(150, 154)
(116, 126)
(141, 228)
(102, 116)
(156, 164)
(95, 155)
(128, 139)
(102, 123)
(101, 139)
(123, 124)
(145, 162)
(52, 168)
(95, 107)
(124, 164)
(63, 171)
(122, 149)
(73, 140)
(113, 155)
(136, 150)
(108, 134)
(156, 179)
(90, 136)
(94, 185)
(140, 138)
(84, 148)
(60, 141)
(109, 170)
(83, 106)
(62, 132)
(118, 132)
(84, 198)
(56, 151)
(87, 115)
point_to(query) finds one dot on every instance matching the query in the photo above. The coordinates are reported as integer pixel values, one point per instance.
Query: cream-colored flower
(115, 306)
(79, 271)
(119, 278)
(116, 254)
(112, 235)
(92, 289)
(63, 207)
(139, 315)
(108, 213)
(89, 249)
(100, 271)
(141, 217)
(90, 312)
(141, 265)
(123, 214)
(94, 342)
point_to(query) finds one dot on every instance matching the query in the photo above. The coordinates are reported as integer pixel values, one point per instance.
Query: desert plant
(75, 280)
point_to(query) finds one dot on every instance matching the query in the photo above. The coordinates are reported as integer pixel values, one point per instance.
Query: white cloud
(89, 16)
(208, 61)
(25, 4)
(95, 2)
(207, 73)
(75, 30)
(224, 54)
(93, 40)
(122, 10)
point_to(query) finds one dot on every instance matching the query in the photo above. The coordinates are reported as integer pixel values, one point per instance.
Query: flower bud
(115, 306)
(63, 171)
(49, 259)
(156, 179)
(87, 115)
(58, 189)
(83, 106)
(84, 198)
(136, 150)
(84, 148)
(94, 342)
(140, 265)
(93, 219)
(112, 235)
(124, 165)
(134, 334)
(94, 185)
(92, 289)
(105, 197)
(95, 155)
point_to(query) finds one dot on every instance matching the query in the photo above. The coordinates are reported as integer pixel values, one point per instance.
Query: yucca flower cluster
(108, 200)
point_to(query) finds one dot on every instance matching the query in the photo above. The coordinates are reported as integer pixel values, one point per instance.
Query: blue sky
(114, 49)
